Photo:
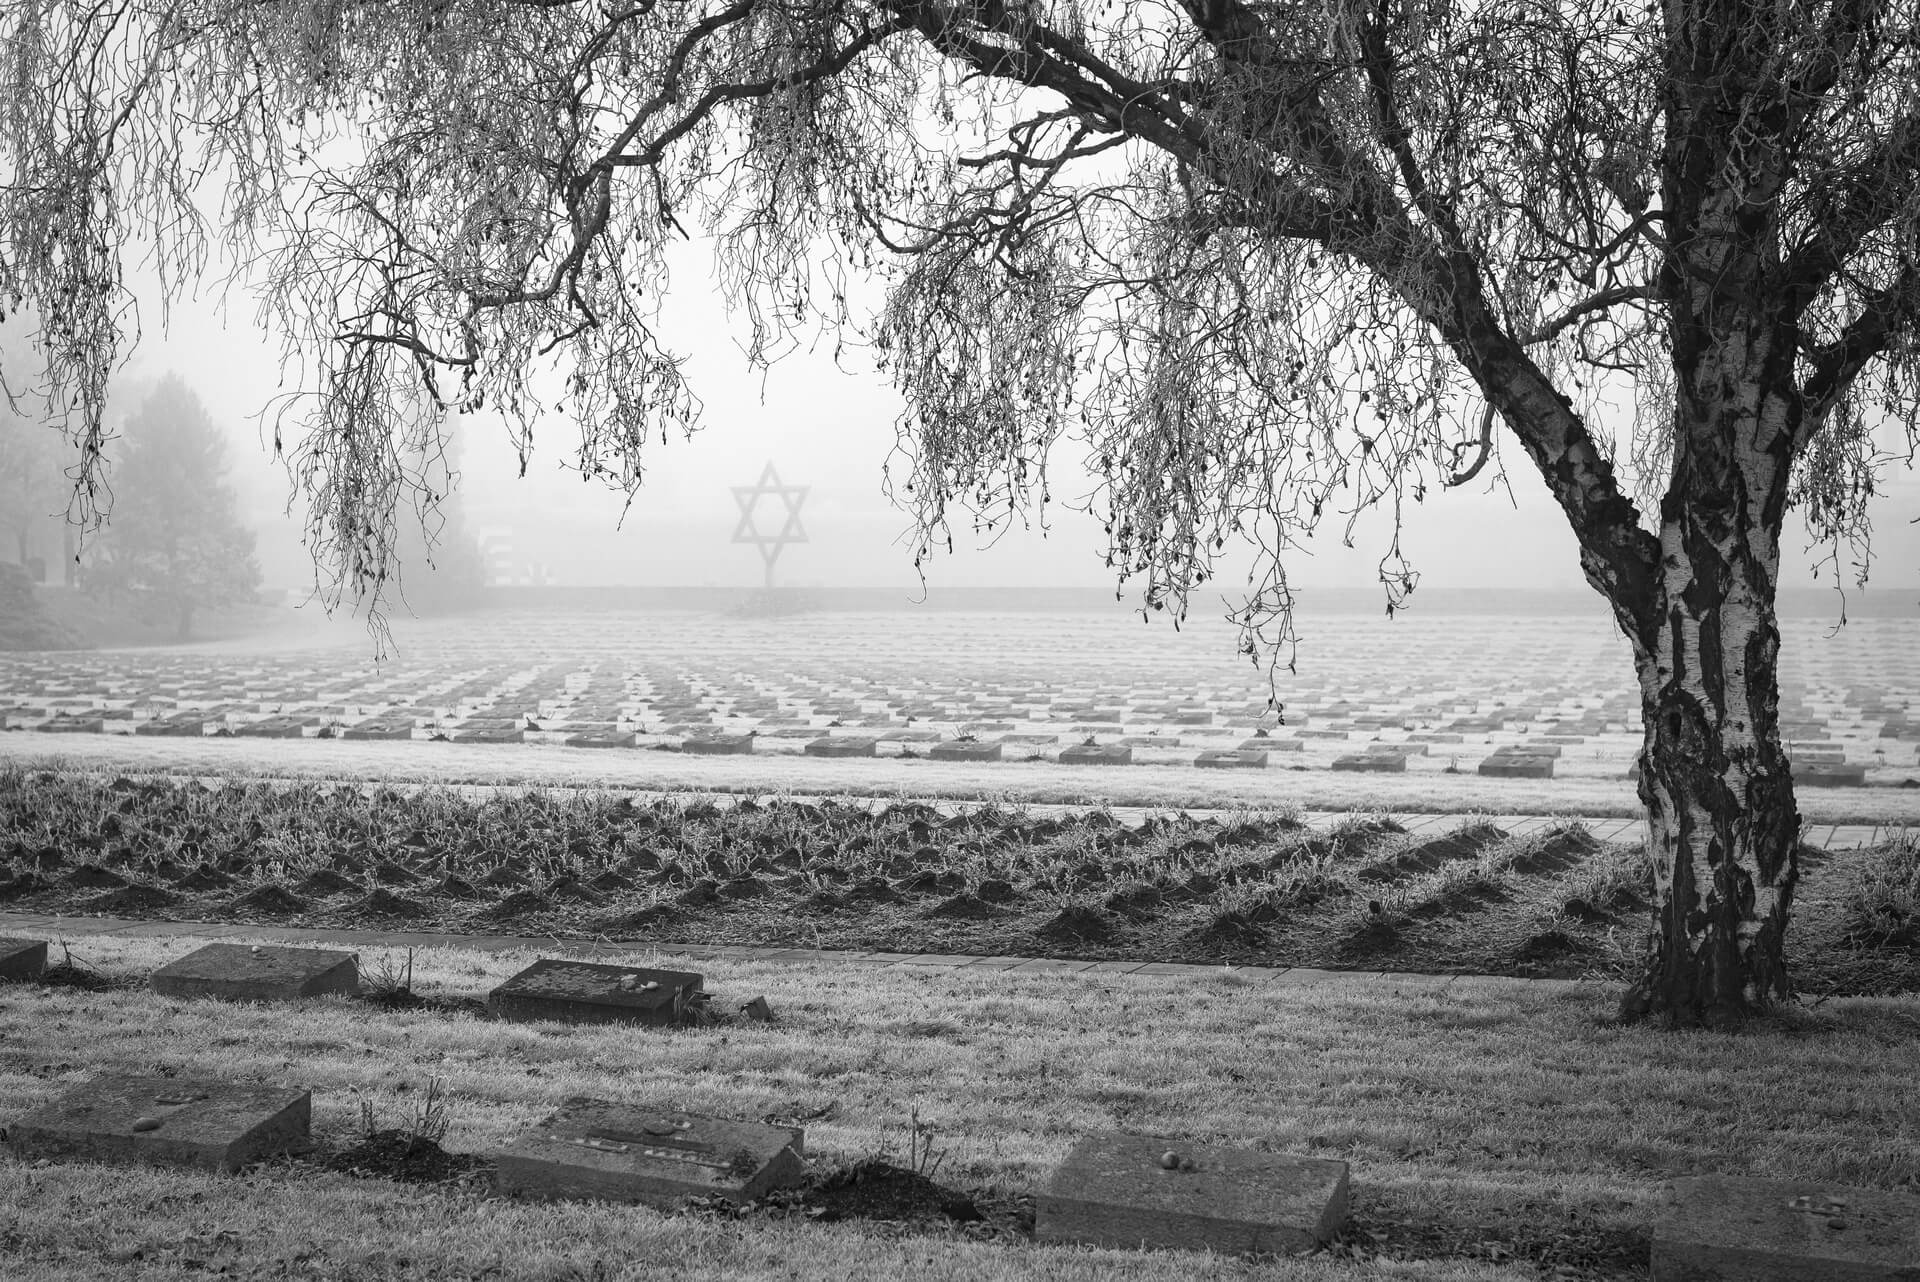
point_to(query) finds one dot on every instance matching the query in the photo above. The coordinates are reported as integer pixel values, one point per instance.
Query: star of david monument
(785, 509)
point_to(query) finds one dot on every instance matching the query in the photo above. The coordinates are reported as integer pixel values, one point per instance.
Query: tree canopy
(1275, 260)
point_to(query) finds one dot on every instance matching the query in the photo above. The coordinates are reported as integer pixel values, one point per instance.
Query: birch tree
(1273, 261)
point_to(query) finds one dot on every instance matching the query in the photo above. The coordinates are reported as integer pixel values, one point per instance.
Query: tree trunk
(1722, 825)
(185, 616)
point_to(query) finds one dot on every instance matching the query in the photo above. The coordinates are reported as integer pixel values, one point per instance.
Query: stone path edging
(74, 928)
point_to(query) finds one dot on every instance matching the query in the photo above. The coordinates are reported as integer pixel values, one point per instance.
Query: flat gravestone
(1821, 775)
(491, 734)
(258, 972)
(276, 727)
(185, 726)
(1230, 759)
(577, 992)
(380, 728)
(1373, 762)
(22, 958)
(1113, 1190)
(627, 1153)
(842, 746)
(601, 738)
(721, 745)
(165, 1121)
(1718, 1229)
(1097, 754)
(965, 750)
(1514, 766)
(1272, 745)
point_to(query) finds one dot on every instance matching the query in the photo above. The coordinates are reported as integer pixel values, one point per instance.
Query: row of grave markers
(1112, 1189)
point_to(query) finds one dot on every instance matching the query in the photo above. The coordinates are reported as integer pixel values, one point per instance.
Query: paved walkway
(76, 928)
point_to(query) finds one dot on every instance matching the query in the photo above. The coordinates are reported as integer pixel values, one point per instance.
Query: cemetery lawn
(1255, 888)
(1495, 1130)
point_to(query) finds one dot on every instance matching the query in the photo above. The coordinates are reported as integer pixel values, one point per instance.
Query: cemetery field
(1450, 713)
(1253, 887)
(1494, 1130)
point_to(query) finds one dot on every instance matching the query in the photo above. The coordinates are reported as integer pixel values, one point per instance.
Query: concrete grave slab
(22, 958)
(842, 746)
(1096, 754)
(1716, 1228)
(606, 737)
(1115, 1190)
(165, 1121)
(965, 750)
(578, 992)
(258, 972)
(1390, 763)
(1224, 759)
(1271, 745)
(1829, 775)
(626, 1153)
(719, 745)
(1515, 766)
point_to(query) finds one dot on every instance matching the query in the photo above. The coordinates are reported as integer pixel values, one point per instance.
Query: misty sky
(833, 430)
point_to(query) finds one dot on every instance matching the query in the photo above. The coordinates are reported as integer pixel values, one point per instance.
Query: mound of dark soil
(16, 887)
(996, 890)
(454, 886)
(381, 902)
(521, 903)
(876, 1189)
(94, 877)
(1431, 856)
(322, 882)
(610, 882)
(129, 899)
(964, 906)
(204, 877)
(403, 1157)
(1369, 939)
(873, 890)
(1559, 850)
(1458, 898)
(743, 888)
(701, 893)
(1136, 900)
(503, 877)
(574, 890)
(1078, 923)
(271, 901)
(388, 873)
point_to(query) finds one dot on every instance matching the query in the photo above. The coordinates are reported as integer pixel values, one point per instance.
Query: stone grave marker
(1394, 763)
(278, 726)
(387, 727)
(601, 737)
(1096, 754)
(718, 745)
(1271, 744)
(258, 972)
(166, 1121)
(183, 724)
(1231, 759)
(662, 1157)
(966, 750)
(1509, 763)
(491, 734)
(1139, 1191)
(578, 992)
(1716, 1228)
(1829, 775)
(22, 958)
(842, 746)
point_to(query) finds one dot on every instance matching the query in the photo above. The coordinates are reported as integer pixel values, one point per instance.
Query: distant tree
(173, 544)
(436, 554)
(1275, 260)
(32, 490)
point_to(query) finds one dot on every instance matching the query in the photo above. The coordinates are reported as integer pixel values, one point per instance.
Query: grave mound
(876, 1189)
(403, 1157)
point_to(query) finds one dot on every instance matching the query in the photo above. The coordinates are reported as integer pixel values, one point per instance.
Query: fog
(831, 429)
